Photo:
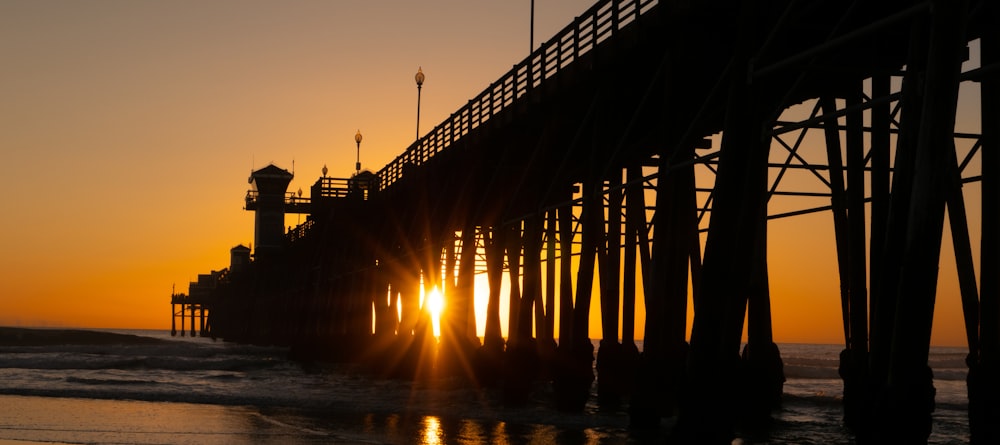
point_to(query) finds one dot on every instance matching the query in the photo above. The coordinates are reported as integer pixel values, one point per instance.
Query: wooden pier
(637, 157)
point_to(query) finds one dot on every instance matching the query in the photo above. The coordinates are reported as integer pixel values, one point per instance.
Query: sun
(435, 305)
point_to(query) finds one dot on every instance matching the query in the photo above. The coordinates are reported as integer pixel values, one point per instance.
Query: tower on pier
(239, 259)
(267, 200)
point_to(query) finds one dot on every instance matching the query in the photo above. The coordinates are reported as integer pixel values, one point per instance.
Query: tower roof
(271, 172)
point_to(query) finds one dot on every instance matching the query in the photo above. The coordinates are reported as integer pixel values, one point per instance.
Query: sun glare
(435, 305)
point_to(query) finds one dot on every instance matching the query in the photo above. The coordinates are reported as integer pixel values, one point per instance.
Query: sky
(130, 128)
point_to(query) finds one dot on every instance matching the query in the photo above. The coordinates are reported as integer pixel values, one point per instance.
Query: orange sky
(130, 128)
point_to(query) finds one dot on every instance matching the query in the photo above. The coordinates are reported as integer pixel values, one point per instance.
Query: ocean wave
(951, 374)
(165, 348)
(62, 362)
(948, 362)
(827, 372)
(811, 372)
(171, 356)
(109, 381)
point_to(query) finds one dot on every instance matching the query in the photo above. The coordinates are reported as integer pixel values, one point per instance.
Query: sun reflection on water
(432, 434)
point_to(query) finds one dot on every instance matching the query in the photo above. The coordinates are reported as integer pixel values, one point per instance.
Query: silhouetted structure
(267, 200)
(557, 158)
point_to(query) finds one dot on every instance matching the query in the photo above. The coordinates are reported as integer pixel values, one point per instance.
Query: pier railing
(325, 188)
(300, 231)
(599, 23)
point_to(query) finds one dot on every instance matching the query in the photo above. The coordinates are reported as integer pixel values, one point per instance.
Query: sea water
(194, 390)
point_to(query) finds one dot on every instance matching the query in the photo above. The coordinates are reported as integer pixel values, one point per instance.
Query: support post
(884, 291)
(385, 319)
(565, 216)
(574, 374)
(449, 285)
(635, 220)
(910, 390)
(984, 365)
(514, 241)
(201, 316)
(880, 144)
(458, 343)
(856, 229)
(675, 247)
(709, 410)
(514, 393)
(849, 225)
(489, 358)
(533, 229)
(764, 376)
(466, 289)
(492, 337)
(546, 332)
(193, 328)
(592, 228)
(522, 352)
(611, 368)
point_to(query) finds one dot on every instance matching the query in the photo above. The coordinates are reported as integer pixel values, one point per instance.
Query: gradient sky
(129, 129)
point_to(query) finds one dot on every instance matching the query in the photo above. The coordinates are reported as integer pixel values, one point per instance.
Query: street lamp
(357, 139)
(296, 203)
(531, 33)
(420, 82)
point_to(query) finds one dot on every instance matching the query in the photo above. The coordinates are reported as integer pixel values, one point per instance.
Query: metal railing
(300, 231)
(599, 23)
(325, 187)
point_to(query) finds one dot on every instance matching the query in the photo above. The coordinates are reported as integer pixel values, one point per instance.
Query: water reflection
(432, 433)
(500, 434)
(392, 425)
(428, 429)
(470, 433)
(368, 424)
(437, 430)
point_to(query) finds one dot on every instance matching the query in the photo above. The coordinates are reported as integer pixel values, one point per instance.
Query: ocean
(196, 391)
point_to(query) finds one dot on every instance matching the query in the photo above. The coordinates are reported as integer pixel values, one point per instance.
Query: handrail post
(615, 12)
(576, 40)
(530, 77)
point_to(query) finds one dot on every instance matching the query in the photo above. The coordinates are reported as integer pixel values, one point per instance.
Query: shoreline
(11, 336)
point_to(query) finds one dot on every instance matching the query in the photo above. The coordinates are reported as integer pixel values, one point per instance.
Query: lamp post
(420, 82)
(531, 33)
(357, 164)
(297, 200)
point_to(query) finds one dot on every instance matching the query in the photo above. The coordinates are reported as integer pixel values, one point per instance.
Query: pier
(637, 157)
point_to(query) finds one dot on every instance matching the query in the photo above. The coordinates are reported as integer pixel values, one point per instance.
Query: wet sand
(56, 420)
(29, 442)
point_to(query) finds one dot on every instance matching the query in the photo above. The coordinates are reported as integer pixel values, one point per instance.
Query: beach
(67, 386)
